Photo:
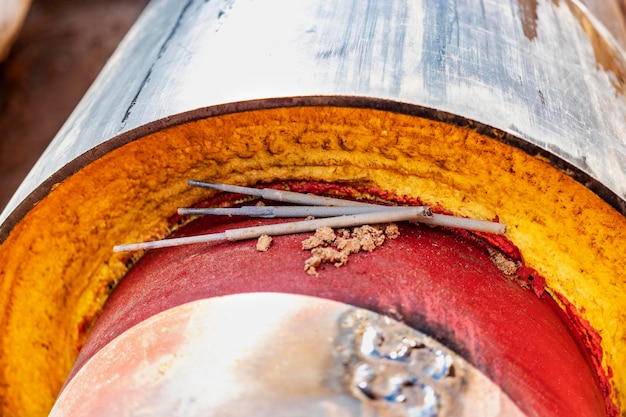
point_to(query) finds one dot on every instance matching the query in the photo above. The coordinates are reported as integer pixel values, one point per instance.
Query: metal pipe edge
(568, 108)
(11, 218)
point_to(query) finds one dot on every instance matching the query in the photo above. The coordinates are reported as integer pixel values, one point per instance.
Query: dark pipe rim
(124, 138)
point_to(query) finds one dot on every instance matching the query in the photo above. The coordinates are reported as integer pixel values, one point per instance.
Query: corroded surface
(59, 273)
(434, 280)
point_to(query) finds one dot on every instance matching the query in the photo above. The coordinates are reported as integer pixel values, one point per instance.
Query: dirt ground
(60, 50)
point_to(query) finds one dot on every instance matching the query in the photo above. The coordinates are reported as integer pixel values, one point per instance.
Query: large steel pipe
(512, 110)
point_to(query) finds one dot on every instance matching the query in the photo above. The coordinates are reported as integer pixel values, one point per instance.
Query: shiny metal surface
(262, 354)
(545, 71)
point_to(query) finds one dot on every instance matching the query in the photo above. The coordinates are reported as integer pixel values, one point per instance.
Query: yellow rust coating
(57, 266)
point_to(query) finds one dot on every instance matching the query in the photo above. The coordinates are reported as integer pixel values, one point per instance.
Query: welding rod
(287, 211)
(278, 195)
(405, 213)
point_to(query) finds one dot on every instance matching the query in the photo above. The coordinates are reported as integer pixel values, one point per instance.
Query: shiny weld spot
(396, 370)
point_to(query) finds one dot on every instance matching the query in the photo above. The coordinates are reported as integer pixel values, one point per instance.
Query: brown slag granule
(392, 231)
(505, 265)
(324, 255)
(322, 236)
(311, 264)
(328, 246)
(349, 246)
(369, 237)
(331, 255)
(264, 242)
(344, 233)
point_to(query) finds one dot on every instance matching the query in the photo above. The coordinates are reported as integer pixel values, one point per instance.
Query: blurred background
(60, 49)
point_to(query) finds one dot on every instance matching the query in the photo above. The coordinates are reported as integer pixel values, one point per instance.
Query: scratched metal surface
(545, 71)
(296, 356)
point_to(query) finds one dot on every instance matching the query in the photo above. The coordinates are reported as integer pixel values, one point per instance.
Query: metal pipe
(490, 62)
(490, 109)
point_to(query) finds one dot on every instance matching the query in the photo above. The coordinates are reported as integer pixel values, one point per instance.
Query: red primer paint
(530, 278)
(591, 341)
(440, 282)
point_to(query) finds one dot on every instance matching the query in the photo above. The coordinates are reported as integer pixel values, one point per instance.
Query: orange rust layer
(57, 267)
